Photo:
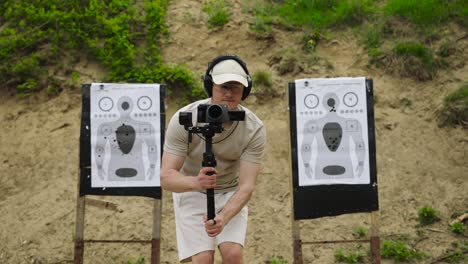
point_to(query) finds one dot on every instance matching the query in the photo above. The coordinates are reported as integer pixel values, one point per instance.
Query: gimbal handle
(209, 161)
(210, 204)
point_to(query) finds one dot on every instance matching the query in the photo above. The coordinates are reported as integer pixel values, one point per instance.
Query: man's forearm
(238, 200)
(174, 181)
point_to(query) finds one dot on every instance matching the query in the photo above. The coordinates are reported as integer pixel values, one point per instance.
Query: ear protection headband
(208, 80)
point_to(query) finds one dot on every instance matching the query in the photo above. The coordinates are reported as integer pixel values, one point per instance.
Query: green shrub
(415, 60)
(458, 228)
(428, 215)
(420, 12)
(140, 260)
(446, 49)
(400, 251)
(414, 49)
(459, 11)
(262, 16)
(455, 108)
(373, 37)
(262, 82)
(350, 258)
(360, 232)
(323, 13)
(374, 54)
(122, 35)
(28, 86)
(458, 253)
(54, 86)
(275, 260)
(310, 40)
(428, 12)
(353, 12)
(218, 13)
(260, 25)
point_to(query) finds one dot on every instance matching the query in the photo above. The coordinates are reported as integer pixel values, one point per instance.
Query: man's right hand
(205, 181)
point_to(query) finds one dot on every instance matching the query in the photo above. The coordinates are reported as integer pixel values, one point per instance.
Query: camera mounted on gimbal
(213, 116)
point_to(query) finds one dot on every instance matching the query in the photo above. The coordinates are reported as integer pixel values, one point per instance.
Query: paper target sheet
(332, 131)
(125, 135)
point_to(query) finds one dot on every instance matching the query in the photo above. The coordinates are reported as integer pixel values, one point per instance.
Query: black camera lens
(214, 112)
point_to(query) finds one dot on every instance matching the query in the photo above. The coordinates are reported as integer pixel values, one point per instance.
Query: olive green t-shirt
(243, 140)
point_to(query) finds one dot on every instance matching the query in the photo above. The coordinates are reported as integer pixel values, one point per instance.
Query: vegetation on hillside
(408, 38)
(455, 108)
(381, 24)
(41, 40)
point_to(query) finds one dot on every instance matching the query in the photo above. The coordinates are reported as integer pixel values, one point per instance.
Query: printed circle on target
(106, 104)
(144, 103)
(311, 101)
(350, 99)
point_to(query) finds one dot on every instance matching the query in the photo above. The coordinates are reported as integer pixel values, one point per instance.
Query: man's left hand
(214, 226)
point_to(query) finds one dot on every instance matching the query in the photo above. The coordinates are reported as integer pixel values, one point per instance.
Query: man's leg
(205, 257)
(192, 241)
(231, 253)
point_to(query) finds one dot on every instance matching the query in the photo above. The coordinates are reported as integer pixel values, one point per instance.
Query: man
(238, 151)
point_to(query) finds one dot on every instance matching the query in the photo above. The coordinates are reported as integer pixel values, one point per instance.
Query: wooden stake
(156, 236)
(375, 238)
(297, 243)
(79, 229)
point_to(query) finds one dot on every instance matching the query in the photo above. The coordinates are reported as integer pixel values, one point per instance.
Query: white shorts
(189, 209)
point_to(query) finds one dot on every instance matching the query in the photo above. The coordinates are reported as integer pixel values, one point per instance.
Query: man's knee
(231, 252)
(205, 257)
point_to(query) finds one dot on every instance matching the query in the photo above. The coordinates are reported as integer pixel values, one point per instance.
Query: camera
(213, 114)
(218, 113)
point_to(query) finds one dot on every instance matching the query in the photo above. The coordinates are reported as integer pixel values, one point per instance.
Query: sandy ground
(418, 162)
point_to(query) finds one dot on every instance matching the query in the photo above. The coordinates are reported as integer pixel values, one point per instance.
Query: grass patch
(405, 102)
(415, 60)
(287, 61)
(400, 251)
(218, 13)
(262, 80)
(341, 256)
(262, 19)
(27, 86)
(310, 40)
(447, 49)
(428, 215)
(428, 12)
(261, 26)
(324, 13)
(140, 260)
(360, 232)
(276, 260)
(457, 254)
(455, 108)
(316, 14)
(372, 36)
(458, 228)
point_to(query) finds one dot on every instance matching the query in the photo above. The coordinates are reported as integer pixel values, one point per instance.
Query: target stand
(374, 240)
(121, 139)
(332, 144)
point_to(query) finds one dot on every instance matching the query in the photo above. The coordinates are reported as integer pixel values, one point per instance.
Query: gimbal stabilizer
(214, 115)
